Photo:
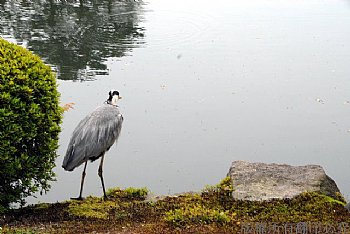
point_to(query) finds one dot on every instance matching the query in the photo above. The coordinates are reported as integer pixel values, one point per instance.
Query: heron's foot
(80, 198)
(105, 197)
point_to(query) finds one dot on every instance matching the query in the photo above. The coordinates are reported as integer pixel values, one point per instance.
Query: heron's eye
(115, 93)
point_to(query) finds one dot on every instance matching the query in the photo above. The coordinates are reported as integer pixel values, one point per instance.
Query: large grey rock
(260, 181)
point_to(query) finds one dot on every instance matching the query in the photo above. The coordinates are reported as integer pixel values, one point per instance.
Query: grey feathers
(94, 135)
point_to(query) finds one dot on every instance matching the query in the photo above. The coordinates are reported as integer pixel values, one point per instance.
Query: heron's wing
(94, 135)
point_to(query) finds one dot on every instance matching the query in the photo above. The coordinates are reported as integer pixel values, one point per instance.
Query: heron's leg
(101, 176)
(82, 184)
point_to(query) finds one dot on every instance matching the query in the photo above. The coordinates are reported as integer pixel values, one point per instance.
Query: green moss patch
(213, 210)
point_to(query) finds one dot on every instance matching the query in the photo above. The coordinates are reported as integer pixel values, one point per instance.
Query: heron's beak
(119, 97)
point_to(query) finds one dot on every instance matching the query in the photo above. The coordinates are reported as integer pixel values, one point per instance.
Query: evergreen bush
(29, 124)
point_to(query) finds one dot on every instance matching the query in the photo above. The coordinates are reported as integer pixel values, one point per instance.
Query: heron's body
(93, 136)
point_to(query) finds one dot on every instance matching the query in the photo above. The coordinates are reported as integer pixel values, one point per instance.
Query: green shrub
(29, 124)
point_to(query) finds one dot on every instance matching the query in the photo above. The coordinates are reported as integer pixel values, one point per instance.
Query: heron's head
(113, 97)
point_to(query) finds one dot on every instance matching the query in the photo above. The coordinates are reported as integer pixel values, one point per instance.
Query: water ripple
(185, 27)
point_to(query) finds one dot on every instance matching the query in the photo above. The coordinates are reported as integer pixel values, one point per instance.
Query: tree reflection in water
(76, 37)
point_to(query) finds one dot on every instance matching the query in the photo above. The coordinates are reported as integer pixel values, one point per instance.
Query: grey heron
(93, 136)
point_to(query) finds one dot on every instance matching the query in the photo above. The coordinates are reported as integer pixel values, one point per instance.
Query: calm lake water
(202, 85)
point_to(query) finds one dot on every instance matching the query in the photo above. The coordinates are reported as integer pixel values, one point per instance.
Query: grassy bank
(213, 210)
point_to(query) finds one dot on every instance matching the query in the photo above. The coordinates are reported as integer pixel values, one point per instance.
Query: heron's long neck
(109, 103)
